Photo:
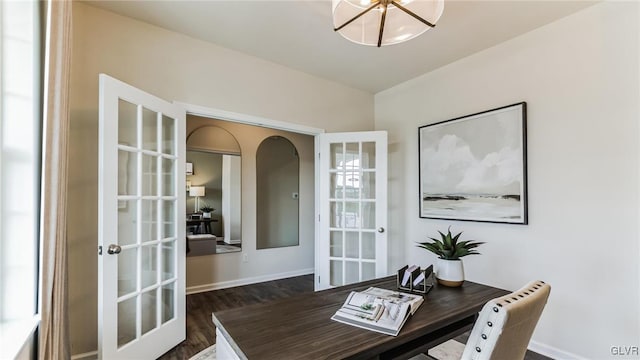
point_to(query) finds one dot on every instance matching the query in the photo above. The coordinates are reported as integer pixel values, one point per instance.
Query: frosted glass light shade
(399, 26)
(196, 191)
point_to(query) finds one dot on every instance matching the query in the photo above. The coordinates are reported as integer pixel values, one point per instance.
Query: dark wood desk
(300, 327)
(204, 223)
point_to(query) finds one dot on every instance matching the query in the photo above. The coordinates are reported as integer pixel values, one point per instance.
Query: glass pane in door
(335, 209)
(149, 130)
(352, 272)
(126, 321)
(352, 184)
(368, 155)
(168, 181)
(149, 175)
(127, 282)
(127, 165)
(149, 265)
(147, 229)
(352, 212)
(127, 123)
(368, 271)
(149, 223)
(335, 249)
(352, 156)
(335, 270)
(168, 134)
(168, 219)
(368, 185)
(352, 246)
(336, 156)
(149, 317)
(168, 301)
(368, 215)
(336, 185)
(369, 245)
(168, 260)
(127, 229)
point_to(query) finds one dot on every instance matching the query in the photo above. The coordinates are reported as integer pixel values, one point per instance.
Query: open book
(380, 310)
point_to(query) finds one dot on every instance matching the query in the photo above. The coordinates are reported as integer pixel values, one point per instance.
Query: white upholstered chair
(504, 326)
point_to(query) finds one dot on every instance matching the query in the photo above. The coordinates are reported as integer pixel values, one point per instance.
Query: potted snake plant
(206, 211)
(450, 250)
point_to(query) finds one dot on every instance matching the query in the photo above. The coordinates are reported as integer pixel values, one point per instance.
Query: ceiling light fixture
(384, 22)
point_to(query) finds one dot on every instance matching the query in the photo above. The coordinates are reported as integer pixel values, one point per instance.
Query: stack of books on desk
(380, 310)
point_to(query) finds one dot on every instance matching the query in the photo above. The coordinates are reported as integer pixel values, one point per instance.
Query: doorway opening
(253, 263)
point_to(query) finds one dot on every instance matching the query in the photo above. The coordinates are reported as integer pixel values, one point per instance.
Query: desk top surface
(301, 327)
(207, 220)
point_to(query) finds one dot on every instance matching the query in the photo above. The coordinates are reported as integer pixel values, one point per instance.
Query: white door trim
(248, 119)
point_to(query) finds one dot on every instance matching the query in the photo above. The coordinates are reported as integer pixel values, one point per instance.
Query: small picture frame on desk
(195, 217)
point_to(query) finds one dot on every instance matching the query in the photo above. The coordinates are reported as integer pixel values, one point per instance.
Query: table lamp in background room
(196, 191)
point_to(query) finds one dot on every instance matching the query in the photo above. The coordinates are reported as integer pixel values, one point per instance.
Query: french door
(141, 275)
(351, 243)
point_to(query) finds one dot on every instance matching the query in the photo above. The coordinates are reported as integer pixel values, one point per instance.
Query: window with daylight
(20, 123)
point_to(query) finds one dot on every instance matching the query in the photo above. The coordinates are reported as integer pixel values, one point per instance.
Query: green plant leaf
(450, 247)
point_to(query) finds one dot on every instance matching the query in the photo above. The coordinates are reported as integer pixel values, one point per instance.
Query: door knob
(380, 229)
(114, 249)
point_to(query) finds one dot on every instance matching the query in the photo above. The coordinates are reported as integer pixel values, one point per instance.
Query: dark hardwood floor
(200, 330)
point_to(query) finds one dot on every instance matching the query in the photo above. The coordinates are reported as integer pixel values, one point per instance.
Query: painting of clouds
(474, 167)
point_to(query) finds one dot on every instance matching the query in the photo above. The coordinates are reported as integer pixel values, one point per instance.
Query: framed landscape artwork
(474, 167)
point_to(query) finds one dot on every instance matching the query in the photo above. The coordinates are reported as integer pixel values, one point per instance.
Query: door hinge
(318, 217)
(99, 250)
(318, 279)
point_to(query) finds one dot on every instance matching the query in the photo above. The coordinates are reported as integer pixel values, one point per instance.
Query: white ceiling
(299, 34)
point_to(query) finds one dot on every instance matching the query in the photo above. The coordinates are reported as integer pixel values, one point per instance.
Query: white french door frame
(172, 330)
(378, 231)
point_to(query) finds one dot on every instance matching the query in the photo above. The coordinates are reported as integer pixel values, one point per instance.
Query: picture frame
(474, 167)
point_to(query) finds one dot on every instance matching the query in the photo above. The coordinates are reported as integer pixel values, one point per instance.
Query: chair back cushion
(505, 324)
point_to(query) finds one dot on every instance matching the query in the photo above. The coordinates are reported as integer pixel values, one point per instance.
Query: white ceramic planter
(206, 215)
(450, 272)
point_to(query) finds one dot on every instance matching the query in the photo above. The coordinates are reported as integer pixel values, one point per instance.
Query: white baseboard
(91, 355)
(247, 281)
(552, 352)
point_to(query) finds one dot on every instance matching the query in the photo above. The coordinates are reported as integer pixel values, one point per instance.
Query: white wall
(176, 67)
(579, 77)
